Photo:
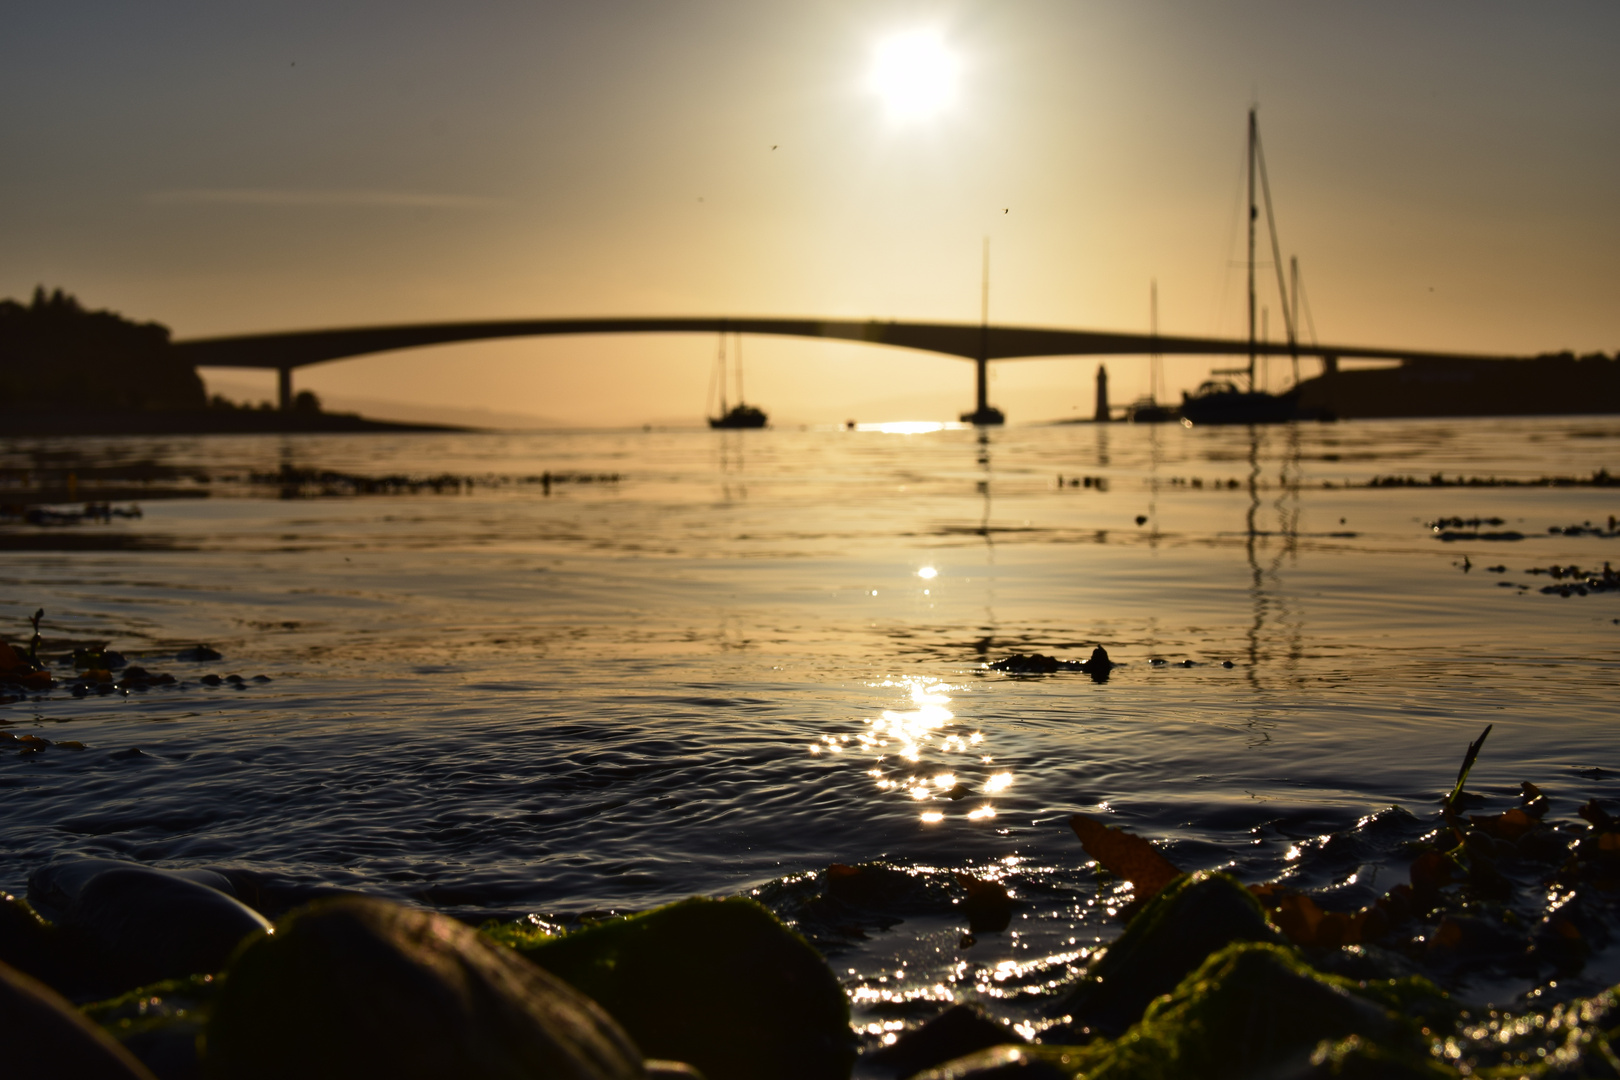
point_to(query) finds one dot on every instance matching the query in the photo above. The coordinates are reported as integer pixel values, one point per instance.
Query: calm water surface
(759, 653)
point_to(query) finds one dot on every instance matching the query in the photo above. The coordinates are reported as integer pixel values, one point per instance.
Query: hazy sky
(1447, 171)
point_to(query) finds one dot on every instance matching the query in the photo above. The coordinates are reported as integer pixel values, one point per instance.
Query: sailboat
(1221, 401)
(740, 415)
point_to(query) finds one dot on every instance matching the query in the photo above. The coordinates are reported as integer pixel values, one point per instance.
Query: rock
(362, 987)
(1249, 1010)
(718, 983)
(1189, 919)
(670, 1070)
(42, 951)
(1357, 1059)
(160, 1024)
(1099, 664)
(198, 653)
(148, 924)
(956, 1032)
(988, 906)
(43, 1037)
(1004, 1063)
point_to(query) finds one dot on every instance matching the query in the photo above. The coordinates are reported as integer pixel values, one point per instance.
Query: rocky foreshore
(112, 968)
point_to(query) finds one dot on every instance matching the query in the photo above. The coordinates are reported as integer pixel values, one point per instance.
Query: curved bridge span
(286, 351)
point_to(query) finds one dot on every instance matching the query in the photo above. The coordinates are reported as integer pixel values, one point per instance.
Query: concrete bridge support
(284, 395)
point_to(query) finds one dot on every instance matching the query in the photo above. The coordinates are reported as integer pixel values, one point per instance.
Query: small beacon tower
(1101, 415)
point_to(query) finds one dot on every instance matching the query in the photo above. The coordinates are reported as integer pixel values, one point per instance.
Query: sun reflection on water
(903, 741)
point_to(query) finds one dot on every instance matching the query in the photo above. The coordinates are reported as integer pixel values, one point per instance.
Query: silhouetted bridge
(284, 352)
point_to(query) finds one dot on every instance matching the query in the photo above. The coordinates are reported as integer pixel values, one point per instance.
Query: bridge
(285, 352)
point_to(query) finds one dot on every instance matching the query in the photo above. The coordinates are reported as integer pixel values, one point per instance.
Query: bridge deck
(300, 348)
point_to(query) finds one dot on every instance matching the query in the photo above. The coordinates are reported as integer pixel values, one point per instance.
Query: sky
(1446, 172)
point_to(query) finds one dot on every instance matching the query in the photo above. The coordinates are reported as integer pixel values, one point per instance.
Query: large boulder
(145, 923)
(361, 987)
(1249, 1010)
(1192, 917)
(43, 1037)
(718, 983)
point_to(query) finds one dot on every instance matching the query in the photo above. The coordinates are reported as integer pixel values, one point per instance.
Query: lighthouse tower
(1101, 415)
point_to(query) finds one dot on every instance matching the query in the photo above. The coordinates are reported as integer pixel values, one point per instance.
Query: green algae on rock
(160, 1024)
(718, 983)
(1192, 917)
(361, 987)
(43, 1037)
(1250, 1009)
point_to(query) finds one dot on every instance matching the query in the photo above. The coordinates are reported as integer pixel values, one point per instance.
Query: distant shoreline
(203, 422)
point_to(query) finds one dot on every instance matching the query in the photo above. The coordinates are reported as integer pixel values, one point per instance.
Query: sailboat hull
(1231, 406)
(740, 416)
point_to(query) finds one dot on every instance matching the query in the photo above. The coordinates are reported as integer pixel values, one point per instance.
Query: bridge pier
(983, 412)
(284, 395)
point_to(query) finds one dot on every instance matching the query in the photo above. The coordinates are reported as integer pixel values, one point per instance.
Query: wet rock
(198, 654)
(160, 1024)
(1196, 915)
(40, 950)
(957, 1032)
(658, 1069)
(43, 1037)
(1249, 1010)
(988, 906)
(1098, 666)
(1004, 1063)
(211, 680)
(1357, 1059)
(362, 987)
(147, 924)
(718, 983)
(1033, 664)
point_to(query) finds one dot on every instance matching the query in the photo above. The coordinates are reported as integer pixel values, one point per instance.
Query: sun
(914, 74)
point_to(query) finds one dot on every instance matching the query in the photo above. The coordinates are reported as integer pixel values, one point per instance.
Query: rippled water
(758, 653)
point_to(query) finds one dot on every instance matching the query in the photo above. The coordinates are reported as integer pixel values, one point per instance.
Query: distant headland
(66, 370)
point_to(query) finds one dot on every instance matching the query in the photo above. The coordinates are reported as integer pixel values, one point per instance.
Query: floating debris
(1600, 478)
(296, 483)
(1573, 581)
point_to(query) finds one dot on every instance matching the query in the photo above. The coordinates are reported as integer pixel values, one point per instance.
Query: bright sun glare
(914, 74)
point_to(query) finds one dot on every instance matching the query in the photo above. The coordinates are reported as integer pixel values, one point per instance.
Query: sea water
(598, 671)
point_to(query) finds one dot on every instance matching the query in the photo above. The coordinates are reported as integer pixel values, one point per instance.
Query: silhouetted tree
(55, 356)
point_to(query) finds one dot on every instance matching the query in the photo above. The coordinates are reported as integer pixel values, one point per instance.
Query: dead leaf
(1431, 870)
(1507, 826)
(1125, 855)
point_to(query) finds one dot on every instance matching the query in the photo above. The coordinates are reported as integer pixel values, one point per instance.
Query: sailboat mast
(1155, 364)
(1253, 215)
(983, 381)
(1293, 315)
(723, 409)
(741, 397)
